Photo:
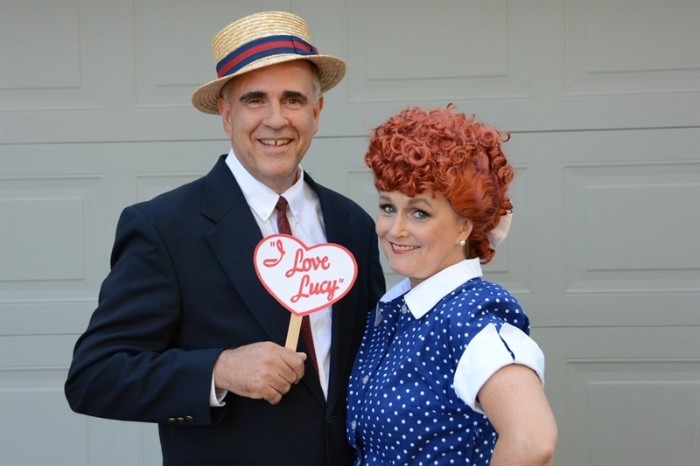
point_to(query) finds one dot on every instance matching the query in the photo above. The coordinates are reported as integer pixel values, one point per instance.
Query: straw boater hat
(260, 40)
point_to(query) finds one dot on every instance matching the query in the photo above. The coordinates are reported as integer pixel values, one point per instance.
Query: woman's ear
(466, 228)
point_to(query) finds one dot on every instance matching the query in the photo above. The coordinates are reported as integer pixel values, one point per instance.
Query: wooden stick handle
(293, 332)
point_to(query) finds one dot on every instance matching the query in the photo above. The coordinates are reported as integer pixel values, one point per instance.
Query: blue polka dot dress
(426, 352)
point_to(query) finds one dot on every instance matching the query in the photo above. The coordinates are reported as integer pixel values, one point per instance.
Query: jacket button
(189, 418)
(331, 420)
(171, 419)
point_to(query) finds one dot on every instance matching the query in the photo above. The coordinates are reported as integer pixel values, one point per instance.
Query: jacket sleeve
(124, 366)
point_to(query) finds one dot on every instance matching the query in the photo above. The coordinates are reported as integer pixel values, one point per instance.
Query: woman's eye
(421, 214)
(387, 208)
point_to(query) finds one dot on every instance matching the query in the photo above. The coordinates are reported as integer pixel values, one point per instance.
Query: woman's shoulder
(480, 291)
(478, 302)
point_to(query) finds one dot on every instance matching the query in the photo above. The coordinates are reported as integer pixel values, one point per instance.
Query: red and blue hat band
(261, 48)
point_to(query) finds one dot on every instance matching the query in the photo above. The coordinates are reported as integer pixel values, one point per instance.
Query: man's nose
(276, 117)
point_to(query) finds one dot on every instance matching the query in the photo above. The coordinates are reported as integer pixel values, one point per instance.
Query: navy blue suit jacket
(182, 288)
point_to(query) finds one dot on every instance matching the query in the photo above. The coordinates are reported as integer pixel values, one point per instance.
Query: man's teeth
(275, 142)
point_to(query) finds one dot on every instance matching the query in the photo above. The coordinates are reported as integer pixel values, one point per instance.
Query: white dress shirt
(306, 222)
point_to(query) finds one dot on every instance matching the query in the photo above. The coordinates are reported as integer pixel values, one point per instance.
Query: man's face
(271, 116)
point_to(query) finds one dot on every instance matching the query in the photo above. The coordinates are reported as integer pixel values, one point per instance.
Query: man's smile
(275, 142)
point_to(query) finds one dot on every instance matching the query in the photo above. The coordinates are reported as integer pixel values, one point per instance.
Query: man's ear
(318, 107)
(225, 112)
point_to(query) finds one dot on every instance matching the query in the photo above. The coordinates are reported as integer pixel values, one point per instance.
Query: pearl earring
(463, 242)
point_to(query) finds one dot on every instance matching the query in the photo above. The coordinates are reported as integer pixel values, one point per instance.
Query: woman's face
(420, 235)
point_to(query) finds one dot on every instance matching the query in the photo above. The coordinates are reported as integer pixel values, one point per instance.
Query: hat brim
(331, 71)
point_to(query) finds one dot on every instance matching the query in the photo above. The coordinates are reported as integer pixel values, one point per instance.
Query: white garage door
(603, 102)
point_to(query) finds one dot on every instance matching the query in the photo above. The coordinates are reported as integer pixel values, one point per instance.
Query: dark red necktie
(283, 227)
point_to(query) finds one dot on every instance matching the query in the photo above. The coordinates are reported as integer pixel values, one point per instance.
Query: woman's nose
(398, 226)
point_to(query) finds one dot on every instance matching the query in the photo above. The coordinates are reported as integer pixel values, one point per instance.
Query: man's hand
(260, 370)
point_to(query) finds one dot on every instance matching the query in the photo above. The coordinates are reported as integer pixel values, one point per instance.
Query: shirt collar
(260, 198)
(426, 295)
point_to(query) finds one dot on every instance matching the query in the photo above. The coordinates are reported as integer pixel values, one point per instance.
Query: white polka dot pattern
(402, 406)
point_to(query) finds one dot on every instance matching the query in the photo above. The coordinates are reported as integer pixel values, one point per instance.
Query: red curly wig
(446, 154)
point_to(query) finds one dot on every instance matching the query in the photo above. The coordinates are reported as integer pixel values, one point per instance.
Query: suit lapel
(344, 311)
(233, 240)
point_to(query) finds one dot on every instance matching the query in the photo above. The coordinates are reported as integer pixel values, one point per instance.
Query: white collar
(426, 295)
(260, 198)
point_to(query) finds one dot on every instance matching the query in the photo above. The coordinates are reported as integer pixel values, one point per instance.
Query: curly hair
(446, 154)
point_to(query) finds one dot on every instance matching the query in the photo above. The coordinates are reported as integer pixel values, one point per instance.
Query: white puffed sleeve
(489, 351)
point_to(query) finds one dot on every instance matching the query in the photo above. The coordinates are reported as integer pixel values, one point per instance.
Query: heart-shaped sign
(304, 279)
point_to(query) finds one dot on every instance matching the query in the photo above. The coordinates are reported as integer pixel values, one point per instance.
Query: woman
(446, 373)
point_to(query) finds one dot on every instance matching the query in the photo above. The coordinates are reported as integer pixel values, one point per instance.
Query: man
(185, 334)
